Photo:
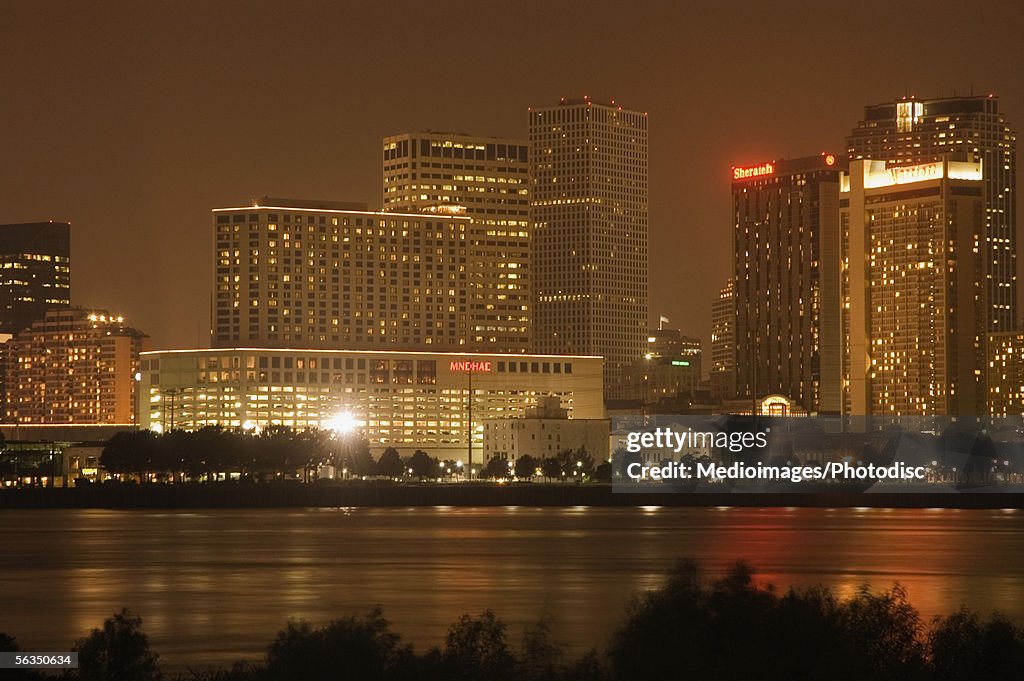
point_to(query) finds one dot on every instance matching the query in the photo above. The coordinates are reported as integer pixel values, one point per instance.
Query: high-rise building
(913, 288)
(486, 179)
(72, 366)
(317, 274)
(786, 281)
(723, 343)
(1004, 379)
(35, 272)
(914, 131)
(589, 214)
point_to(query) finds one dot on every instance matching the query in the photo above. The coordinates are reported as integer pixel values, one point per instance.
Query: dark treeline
(277, 452)
(728, 629)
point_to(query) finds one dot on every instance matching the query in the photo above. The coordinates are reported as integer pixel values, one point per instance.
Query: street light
(343, 423)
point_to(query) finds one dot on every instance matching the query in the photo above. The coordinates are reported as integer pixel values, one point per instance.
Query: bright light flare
(344, 422)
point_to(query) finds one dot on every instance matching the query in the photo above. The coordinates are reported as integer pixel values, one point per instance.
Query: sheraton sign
(753, 171)
(470, 366)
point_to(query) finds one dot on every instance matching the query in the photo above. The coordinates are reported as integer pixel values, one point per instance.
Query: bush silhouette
(117, 652)
(729, 628)
(351, 648)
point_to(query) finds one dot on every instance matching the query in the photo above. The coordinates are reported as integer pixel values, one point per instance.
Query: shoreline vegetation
(380, 493)
(723, 627)
(279, 467)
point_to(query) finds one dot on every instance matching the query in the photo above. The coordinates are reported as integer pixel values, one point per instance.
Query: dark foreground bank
(733, 627)
(370, 494)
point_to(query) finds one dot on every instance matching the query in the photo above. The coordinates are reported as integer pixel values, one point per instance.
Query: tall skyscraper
(723, 343)
(72, 366)
(35, 272)
(912, 287)
(914, 131)
(786, 278)
(486, 179)
(589, 213)
(315, 274)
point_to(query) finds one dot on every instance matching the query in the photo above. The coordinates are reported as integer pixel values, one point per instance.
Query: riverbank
(380, 494)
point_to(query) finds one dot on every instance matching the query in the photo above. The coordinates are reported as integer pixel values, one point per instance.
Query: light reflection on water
(215, 586)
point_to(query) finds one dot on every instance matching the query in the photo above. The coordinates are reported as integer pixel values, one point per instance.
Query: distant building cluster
(498, 300)
(883, 282)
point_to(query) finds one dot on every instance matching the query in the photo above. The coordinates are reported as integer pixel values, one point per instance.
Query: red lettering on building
(470, 366)
(753, 171)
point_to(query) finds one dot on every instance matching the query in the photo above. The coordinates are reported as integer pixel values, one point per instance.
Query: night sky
(132, 120)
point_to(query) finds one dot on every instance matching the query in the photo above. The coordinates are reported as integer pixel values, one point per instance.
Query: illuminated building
(487, 179)
(670, 368)
(294, 273)
(545, 431)
(914, 131)
(723, 343)
(73, 366)
(399, 399)
(1004, 378)
(786, 281)
(35, 272)
(589, 212)
(913, 290)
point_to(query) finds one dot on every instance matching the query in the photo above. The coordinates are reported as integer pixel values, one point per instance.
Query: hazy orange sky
(133, 120)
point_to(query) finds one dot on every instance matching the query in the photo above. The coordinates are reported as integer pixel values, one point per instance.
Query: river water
(215, 586)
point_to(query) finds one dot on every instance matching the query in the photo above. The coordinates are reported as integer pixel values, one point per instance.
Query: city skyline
(133, 126)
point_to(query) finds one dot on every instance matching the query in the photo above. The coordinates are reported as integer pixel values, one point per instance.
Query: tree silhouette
(390, 464)
(526, 467)
(496, 468)
(117, 652)
(962, 648)
(551, 467)
(9, 645)
(352, 453)
(476, 649)
(423, 465)
(350, 648)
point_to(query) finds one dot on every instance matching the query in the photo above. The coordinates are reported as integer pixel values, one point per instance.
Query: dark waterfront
(214, 586)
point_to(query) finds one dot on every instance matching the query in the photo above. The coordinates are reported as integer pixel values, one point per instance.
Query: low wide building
(407, 400)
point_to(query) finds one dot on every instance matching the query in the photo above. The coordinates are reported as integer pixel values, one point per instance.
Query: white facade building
(399, 399)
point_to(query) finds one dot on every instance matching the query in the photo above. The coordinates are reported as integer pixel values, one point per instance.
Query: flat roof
(363, 352)
(376, 213)
(461, 136)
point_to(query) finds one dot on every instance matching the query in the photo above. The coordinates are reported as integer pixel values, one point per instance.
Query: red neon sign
(753, 171)
(470, 366)
(830, 160)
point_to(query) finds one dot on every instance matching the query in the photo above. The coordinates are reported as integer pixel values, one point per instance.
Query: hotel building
(913, 288)
(486, 179)
(319, 274)
(35, 272)
(914, 131)
(74, 366)
(786, 281)
(401, 399)
(589, 202)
